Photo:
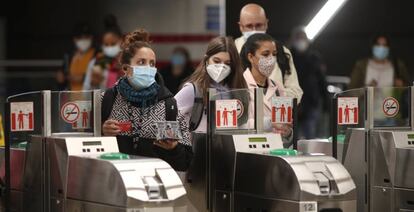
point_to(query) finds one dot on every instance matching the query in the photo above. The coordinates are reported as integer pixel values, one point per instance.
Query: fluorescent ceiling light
(323, 17)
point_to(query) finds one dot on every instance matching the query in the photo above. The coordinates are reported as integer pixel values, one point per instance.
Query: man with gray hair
(253, 20)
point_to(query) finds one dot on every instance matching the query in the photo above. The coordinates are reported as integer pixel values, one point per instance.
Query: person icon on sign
(282, 113)
(20, 119)
(347, 110)
(225, 118)
(84, 118)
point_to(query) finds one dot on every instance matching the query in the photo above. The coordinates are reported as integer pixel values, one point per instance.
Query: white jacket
(291, 83)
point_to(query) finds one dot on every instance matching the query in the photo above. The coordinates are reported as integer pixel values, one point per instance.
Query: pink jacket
(271, 91)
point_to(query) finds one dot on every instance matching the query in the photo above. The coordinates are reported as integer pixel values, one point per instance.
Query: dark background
(41, 29)
(347, 37)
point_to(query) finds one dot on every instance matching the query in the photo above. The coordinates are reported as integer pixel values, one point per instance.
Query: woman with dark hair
(106, 61)
(220, 69)
(382, 69)
(259, 56)
(178, 70)
(139, 99)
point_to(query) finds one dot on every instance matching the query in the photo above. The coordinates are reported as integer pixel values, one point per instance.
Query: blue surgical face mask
(178, 59)
(142, 76)
(380, 52)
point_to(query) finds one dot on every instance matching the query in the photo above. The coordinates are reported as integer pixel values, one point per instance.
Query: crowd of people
(136, 91)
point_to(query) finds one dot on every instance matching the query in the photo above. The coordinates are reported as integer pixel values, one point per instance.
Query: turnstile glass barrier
(237, 162)
(375, 145)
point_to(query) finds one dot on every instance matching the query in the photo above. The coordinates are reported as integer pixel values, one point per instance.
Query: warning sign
(390, 107)
(83, 122)
(22, 116)
(282, 110)
(70, 112)
(347, 110)
(226, 114)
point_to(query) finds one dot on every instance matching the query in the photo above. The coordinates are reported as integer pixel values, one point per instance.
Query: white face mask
(218, 72)
(246, 35)
(111, 51)
(83, 44)
(267, 65)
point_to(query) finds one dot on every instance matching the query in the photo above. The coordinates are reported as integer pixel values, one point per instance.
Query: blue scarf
(142, 98)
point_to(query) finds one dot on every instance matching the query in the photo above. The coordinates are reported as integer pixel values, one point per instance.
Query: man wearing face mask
(82, 56)
(380, 70)
(311, 74)
(253, 20)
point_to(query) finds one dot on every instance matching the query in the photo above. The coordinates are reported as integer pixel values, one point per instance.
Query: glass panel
(244, 110)
(391, 107)
(361, 95)
(72, 111)
(26, 117)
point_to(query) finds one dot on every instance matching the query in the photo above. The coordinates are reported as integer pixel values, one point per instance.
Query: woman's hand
(111, 128)
(167, 144)
(284, 129)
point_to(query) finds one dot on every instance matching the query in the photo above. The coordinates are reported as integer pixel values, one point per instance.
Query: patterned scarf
(143, 98)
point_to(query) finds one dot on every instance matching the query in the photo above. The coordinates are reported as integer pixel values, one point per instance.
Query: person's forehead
(144, 51)
(252, 18)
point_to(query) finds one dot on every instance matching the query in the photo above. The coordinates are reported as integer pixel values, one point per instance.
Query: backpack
(110, 94)
(198, 109)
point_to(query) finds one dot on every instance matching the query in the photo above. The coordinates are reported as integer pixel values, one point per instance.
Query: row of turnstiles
(362, 168)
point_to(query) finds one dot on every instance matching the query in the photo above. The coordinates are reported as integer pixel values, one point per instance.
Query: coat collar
(271, 89)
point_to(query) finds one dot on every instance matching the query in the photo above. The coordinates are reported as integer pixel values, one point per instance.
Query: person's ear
(250, 57)
(266, 24)
(126, 67)
(240, 26)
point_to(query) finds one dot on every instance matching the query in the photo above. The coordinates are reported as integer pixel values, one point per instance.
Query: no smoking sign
(390, 107)
(70, 112)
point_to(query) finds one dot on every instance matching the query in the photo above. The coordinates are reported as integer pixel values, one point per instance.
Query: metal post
(258, 102)
(97, 125)
(412, 107)
(334, 126)
(295, 121)
(7, 155)
(369, 108)
(47, 113)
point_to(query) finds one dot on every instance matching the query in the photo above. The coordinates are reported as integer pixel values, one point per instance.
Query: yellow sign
(1, 132)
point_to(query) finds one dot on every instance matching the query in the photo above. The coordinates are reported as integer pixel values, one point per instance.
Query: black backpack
(198, 109)
(110, 94)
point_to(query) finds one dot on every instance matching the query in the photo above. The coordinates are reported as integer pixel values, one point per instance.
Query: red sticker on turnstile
(21, 116)
(390, 107)
(85, 108)
(282, 110)
(70, 112)
(348, 110)
(226, 113)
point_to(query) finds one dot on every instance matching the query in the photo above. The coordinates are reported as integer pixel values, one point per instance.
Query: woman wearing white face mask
(382, 69)
(258, 56)
(138, 100)
(220, 69)
(106, 60)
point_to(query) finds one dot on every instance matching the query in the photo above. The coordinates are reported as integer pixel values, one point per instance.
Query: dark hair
(132, 42)
(374, 39)
(82, 29)
(253, 43)
(235, 80)
(111, 25)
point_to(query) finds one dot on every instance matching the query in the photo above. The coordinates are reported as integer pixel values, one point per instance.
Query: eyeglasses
(257, 26)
